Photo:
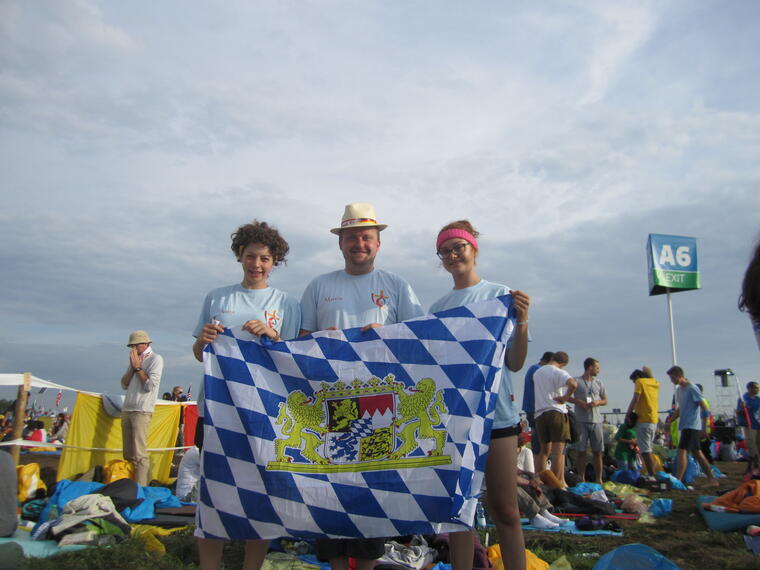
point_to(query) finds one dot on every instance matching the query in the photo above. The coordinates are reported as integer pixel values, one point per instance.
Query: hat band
(353, 221)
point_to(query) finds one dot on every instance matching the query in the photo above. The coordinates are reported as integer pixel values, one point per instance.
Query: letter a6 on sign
(672, 262)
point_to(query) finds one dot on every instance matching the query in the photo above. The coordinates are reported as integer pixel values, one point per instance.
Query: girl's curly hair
(260, 232)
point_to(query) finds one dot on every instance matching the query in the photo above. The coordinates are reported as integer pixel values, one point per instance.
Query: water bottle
(480, 515)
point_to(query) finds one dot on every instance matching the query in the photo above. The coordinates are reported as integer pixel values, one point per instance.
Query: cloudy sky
(135, 137)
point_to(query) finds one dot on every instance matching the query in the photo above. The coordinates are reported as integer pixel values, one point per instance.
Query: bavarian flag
(348, 433)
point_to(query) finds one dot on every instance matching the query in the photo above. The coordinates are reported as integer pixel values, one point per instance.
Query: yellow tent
(94, 438)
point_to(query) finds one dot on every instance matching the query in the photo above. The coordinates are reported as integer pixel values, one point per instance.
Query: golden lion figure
(301, 418)
(418, 413)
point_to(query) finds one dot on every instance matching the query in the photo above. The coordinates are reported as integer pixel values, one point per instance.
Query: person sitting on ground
(60, 428)
(532, 501)
(524, 455)
(38, 431)
(626, 448)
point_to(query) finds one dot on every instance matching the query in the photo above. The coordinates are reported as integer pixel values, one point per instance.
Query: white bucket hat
(359, 215)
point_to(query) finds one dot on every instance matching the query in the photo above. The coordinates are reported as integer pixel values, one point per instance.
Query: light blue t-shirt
(344, 301)
(689, 398)
(506, 414)
(234, 305)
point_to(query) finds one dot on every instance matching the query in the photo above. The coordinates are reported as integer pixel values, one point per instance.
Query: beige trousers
(134, 433)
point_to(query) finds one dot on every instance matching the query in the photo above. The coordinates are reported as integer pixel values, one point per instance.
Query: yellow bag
(657, 465)
(148, 535)
(118, 469)
(532, 562)
(29, 481)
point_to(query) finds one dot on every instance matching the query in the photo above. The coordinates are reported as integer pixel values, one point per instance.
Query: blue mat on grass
(569, 528)
(725, 522)
(38, 548)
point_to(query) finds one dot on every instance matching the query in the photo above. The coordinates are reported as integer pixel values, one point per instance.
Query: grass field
(682, 537)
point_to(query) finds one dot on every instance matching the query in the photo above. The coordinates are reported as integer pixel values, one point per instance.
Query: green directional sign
(672, 262)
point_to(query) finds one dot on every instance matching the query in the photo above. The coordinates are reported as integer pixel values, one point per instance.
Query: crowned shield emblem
(363, 426)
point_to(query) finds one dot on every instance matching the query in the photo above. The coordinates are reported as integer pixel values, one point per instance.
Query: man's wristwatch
(138, 369)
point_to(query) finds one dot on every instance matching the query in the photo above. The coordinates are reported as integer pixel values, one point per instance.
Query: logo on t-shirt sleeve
(380, 299)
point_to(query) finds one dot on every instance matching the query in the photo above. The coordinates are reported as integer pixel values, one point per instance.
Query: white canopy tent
(18, 380)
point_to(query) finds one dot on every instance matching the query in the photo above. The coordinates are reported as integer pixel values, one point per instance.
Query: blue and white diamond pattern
(247, 382)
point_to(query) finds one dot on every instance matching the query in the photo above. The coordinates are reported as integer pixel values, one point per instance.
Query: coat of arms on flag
(361, 425)
(350, 433)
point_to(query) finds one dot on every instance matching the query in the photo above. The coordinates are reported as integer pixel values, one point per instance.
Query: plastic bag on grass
(532, 562)
(148, 535)
(118, 469)
(29, 481)
(661, 507)
(674, 483)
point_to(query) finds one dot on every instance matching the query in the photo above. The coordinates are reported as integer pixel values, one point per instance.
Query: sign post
(672, 263)
(19, 413)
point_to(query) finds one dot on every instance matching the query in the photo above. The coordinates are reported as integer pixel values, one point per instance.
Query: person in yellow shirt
(645, 402)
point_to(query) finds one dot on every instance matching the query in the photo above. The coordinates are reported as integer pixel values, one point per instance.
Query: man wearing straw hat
(359, 295)
(141, 381)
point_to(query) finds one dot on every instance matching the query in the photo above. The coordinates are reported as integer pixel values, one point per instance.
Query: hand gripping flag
(348, 433)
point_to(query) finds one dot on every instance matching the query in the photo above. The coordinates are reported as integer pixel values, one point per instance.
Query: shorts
(689, 440)
(505, 432)
(590, 433)
(645, 436)
(199, 433)
(364, 548)
(552, 426)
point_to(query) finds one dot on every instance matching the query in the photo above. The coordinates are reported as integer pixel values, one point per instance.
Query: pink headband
(455, 233)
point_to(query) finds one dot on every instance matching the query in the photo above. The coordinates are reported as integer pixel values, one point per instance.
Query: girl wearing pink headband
(457, 247)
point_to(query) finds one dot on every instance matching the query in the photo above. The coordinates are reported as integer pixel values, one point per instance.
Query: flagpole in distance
(672, 264)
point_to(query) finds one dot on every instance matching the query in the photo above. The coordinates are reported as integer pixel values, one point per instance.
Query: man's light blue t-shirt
(235, 305)
(343, 301)
(689, 398)
(506, 412)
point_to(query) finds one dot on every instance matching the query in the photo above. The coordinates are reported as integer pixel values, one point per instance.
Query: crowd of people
(564, 418)
(36, 427)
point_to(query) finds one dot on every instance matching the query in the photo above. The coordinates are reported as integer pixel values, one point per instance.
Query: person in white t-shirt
(554, 387)
(359, 295)
(261, 310)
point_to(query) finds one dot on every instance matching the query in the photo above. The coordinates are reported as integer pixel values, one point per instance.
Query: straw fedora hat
(137, 337)
(359, 215)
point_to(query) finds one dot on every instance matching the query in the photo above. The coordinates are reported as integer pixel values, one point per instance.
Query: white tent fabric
(18, 380)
